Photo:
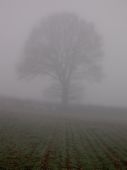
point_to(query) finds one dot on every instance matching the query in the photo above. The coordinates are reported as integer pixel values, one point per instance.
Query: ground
(62, 141)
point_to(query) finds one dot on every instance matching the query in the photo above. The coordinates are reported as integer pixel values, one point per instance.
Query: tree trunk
(65, 94)
(65, 99)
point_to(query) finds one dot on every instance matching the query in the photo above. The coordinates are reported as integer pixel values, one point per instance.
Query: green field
(57, 141)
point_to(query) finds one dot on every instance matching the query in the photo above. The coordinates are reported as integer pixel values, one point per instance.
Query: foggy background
(19, 17)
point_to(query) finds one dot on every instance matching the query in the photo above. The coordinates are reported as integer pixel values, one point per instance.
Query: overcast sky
(18, 17)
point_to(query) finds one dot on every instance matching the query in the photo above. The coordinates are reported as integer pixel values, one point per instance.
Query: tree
(64, 47)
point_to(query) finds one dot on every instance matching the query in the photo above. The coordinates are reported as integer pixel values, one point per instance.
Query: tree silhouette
(65, 47)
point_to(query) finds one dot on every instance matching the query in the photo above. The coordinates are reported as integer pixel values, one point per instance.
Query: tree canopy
(64, 47)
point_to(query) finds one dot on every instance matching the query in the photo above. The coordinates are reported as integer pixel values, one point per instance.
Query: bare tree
(64, 47)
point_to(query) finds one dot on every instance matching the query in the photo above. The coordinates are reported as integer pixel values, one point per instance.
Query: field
(62, 141)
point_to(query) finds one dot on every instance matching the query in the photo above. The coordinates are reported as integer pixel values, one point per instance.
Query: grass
(54, 140)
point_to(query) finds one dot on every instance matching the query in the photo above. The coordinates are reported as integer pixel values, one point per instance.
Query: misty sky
(18, 17)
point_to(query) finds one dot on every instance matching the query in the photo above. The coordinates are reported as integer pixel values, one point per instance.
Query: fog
(19, 17)
(63, 84)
